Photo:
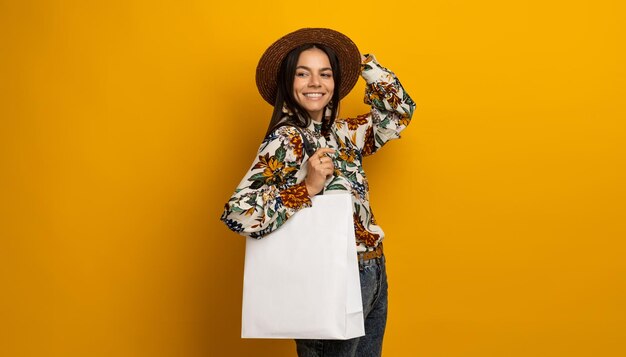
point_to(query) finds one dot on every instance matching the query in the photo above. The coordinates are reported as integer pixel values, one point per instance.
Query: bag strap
(308, 147)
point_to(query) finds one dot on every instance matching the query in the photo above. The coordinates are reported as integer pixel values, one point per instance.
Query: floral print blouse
(274, 189)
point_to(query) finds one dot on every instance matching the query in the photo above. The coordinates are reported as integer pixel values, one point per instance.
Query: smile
(313, 95)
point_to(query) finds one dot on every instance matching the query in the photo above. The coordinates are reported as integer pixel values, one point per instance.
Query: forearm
(271, 191)
(391, 106)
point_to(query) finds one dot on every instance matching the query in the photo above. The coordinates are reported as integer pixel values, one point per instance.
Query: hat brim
(269, 64)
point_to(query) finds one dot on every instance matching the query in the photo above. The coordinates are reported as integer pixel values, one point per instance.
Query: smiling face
(313, 83)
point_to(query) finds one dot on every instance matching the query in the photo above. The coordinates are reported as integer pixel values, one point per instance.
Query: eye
(327, 75)
(301, 74)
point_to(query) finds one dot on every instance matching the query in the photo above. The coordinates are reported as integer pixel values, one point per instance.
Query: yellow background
(125, 126)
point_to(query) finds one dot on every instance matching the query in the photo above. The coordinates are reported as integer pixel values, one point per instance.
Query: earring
(329, 110)
(286, 110)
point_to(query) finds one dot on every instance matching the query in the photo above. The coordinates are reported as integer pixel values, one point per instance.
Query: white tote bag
(302, 280)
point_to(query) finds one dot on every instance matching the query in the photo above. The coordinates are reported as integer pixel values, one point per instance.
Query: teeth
(313, 95)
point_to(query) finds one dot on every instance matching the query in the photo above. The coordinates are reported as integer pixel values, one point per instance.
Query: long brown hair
(284, 92)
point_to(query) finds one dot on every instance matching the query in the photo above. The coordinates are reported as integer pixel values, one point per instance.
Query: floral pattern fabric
(273, 189)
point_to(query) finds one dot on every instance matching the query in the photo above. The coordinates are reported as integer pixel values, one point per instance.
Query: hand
(319, 168)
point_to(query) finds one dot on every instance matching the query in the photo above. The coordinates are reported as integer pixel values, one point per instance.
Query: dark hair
(284, 92)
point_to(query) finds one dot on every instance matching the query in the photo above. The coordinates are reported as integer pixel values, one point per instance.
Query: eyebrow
(321, 69)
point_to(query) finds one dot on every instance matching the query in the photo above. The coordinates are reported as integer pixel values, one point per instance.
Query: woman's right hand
(319, 168)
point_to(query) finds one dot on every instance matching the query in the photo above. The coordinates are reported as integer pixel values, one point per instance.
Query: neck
(317, 116)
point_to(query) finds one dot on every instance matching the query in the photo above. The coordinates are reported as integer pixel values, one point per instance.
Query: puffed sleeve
(391, 109)
(272, 190)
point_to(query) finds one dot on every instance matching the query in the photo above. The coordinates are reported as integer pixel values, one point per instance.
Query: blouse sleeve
(391, 109)
(271, 191)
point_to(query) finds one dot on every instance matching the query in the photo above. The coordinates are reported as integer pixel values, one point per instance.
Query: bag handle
(307, 144)
(308, 147)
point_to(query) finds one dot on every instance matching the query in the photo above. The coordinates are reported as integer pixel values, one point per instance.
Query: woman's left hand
(320, 167)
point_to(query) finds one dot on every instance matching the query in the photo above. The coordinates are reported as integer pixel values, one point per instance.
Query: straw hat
(269, 64)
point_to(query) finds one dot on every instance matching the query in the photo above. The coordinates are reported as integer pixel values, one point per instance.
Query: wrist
(309, 189)
(313, 189)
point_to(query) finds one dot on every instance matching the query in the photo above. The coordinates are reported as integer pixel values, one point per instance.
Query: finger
(323, 169)
(325, 160)
(316, 160)
(328, 167)
(323, 151)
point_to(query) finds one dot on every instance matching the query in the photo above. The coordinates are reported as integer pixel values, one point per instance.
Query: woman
(304, 75)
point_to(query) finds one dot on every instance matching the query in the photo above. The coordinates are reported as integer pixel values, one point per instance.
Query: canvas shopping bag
(302, 280)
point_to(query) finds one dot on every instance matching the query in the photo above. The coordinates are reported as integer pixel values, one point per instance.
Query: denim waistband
(370, 262)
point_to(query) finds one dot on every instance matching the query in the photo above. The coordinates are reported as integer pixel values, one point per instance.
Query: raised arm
(391, 109)
(272, 190)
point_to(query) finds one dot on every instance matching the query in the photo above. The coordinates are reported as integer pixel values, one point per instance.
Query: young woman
(304, 75)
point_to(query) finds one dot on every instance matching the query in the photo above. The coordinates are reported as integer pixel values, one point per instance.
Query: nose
(314, 81)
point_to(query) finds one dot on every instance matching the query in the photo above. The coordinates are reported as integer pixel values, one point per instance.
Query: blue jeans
(374, 294)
